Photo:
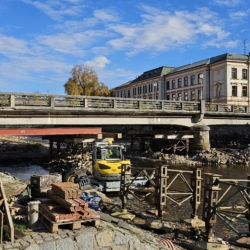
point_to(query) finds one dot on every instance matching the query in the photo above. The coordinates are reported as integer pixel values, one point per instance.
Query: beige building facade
(220, 79)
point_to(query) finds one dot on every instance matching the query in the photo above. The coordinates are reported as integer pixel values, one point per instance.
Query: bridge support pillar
(201, 140)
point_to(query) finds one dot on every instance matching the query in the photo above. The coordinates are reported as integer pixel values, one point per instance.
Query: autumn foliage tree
(84, 81)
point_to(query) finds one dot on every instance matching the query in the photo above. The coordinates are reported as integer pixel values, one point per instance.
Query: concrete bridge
(44, 109)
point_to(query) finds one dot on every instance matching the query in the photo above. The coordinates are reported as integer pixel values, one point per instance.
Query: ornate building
(221, 79)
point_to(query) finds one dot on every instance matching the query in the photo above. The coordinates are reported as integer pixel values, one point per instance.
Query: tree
(84, 81)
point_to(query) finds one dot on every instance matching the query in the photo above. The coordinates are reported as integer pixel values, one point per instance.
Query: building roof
(122, 85)
(153, 73)
(209, 61)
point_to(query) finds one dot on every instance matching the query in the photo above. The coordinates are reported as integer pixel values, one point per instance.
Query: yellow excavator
(105, 174)
(107, 161)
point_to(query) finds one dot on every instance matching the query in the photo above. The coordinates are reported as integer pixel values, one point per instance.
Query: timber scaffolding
(203, 190)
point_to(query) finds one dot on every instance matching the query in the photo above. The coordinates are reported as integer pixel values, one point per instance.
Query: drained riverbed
(174, 212)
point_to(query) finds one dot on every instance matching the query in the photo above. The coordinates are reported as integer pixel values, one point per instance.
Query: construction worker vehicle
(105, 172)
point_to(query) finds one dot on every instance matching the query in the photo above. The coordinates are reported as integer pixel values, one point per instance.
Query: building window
(179, 97)
(244, 73)
(167, 97)
(234, 90)
(173, 97)
(139, 90)
(192, 79)
(157, 87)
(244, 91)
(186, 96)
(167, 85)
(134, 91)
(125, 94)
(173, 84)
(192, 95)
(129, 93)
(179, 83)
(185, 81)
(234, 73)
(150, 88)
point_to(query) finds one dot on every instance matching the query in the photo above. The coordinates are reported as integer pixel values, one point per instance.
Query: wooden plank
(18, 234)
(1, 226)
(53, 226)
(173, 137)
(7, 213)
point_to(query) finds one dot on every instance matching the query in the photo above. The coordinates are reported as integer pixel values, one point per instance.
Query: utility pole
(248, 76)
(245, 47)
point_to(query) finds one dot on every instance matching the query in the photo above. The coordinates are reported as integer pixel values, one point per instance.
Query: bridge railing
(225, 108)
(47, 101)
(35, 101)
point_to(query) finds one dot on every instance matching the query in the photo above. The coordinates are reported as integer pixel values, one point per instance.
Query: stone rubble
(107, 236)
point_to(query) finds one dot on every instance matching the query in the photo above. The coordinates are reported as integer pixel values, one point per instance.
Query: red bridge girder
(49, 131)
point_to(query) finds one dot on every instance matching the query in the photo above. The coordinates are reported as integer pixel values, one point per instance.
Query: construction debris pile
(215, 157)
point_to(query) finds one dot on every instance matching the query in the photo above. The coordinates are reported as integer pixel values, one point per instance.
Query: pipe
(33, 213)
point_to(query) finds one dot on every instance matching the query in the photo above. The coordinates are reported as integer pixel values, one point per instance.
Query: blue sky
(41, 40)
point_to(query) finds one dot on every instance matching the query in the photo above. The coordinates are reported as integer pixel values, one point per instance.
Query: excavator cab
(107, 161)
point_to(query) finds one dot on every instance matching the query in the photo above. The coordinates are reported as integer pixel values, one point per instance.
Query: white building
(220, 79)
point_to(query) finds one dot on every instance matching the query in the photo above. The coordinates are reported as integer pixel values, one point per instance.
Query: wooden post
(6, 210)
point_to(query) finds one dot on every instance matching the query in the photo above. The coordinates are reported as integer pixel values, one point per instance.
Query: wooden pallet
(73, 225)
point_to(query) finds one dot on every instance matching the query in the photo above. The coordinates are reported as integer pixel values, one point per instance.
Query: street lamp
(201, 80)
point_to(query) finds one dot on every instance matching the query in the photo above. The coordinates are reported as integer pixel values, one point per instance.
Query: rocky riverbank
(15, 150)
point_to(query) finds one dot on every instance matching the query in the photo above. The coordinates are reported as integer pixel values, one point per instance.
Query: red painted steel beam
(50, 131)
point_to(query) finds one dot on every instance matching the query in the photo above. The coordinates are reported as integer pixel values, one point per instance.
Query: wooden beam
(1, 227)
(173, 137)
(156, 131)
(112, 135)
(7, 213)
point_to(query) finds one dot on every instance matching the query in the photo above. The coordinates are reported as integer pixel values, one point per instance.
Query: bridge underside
(119, 120)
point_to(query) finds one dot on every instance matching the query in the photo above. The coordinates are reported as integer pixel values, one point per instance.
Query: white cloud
(106, 15)
(98, 62)
(228, 3)
(239, 14)
(164, 30)
(11, 45)
(57, 9)
(72, 43)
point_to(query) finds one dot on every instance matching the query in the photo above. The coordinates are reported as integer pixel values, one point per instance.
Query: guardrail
(46, 101)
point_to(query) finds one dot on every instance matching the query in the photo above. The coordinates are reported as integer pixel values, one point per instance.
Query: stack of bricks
(66, 207)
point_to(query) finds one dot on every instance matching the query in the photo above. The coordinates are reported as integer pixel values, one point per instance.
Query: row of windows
(185, 81)
(234, 73)
(235, 91)
(188, 96)
(139, 90)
